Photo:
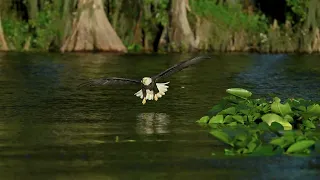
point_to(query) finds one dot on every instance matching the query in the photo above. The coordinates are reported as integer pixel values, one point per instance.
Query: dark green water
(51, 130)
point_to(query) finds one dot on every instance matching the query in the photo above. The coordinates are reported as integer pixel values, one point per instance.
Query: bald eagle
(150, 88)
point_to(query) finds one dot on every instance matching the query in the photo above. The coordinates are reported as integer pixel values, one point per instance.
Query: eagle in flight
(150, 88)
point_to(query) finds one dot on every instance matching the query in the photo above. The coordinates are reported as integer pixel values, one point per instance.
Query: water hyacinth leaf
(251, 146)
(256, 116)
(204, 119)
(232, 99)
(271, 117)
(233, 124)
(245, 118)
(242, 151)
(275, 126)
(280, 141)
(239, 92)
(282, 109)
(309, 124)
(218, 119)
(276, 99)
(214, 126)
(228, 119)
(288, 118)
(300, 146)
(245, 111)
(238, 118)
(229, 152)
(264, 150)
(266, 108)
(300, 138)
(313, 118)
(302, 108)
(241, 144)
(314, 109)
(241, 137)
(287, 141)
(263, 126)
(222, 136)
(228, 111)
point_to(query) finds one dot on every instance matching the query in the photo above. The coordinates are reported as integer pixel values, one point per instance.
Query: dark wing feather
(179, 67)
(110, 81)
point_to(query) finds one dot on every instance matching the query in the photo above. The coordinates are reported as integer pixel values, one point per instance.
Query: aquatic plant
(261, 126)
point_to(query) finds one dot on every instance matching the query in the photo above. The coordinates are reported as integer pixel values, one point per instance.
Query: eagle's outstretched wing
(110, 81)
(179, 67)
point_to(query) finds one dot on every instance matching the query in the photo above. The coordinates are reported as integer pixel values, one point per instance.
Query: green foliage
(243, 123)
(42, 30)
(151, 18)
(45, 27)
(159, 14)
(229, 16)
(16, 32)
(299, 8)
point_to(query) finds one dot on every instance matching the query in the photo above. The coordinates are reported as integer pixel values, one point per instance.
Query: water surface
(49, 129)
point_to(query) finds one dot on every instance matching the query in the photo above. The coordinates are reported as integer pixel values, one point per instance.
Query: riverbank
(162, 26)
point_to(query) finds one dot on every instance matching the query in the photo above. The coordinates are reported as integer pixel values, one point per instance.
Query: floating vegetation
(263, 127)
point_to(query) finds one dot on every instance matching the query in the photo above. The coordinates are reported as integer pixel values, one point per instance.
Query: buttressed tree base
(92, 30)
(3, 43)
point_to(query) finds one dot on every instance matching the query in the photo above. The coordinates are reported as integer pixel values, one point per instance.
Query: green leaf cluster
(242, 122)
(229, 16)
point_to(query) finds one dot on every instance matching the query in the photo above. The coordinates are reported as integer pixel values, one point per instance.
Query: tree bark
(3, 43)
(33, 9)
(180, 33)
(92, 30)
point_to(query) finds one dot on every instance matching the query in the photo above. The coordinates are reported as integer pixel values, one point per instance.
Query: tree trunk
(137, 35)
(33, 9)
(92, 30)
(3, 43)
(180, 32)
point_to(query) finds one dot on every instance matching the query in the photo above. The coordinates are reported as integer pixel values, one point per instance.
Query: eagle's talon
(144, 101)
(155, 97)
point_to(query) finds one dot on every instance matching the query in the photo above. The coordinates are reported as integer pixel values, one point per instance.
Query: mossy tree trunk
(181, 35)
(3, 43)
(92, 30)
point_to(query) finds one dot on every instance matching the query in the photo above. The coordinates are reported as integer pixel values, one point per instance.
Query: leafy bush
(16, 32)
(243, 124)
(45, 27)
(229, 16)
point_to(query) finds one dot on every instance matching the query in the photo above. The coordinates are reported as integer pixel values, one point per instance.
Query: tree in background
(160, 25)
(3, 43)
(92, 30)
(181, 34)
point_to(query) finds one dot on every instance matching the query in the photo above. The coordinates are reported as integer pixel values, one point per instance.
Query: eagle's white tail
(162, 87)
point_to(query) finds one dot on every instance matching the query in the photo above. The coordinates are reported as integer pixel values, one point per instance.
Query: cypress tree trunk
(92, 30)
(180, 33)
(3, 43)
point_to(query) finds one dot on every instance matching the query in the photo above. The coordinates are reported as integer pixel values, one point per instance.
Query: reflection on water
(152, 123)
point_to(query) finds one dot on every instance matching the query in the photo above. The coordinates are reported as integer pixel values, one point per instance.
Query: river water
(49, 129)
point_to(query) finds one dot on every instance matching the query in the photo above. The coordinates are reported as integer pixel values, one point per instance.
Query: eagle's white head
(146, 81)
